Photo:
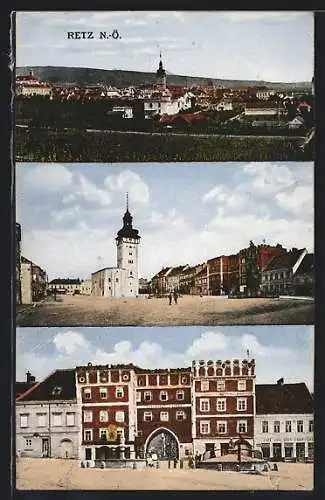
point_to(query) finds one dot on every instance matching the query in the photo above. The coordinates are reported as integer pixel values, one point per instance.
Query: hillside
(90, 76)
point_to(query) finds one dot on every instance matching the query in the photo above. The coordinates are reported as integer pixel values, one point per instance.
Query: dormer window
(56, 391)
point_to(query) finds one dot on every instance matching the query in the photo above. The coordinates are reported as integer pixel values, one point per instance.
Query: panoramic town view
(139, 410)
(111, 245)
(148, 96)
(164, 267)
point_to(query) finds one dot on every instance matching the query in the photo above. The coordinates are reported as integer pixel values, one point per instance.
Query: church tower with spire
(127, 242)
(161, 75)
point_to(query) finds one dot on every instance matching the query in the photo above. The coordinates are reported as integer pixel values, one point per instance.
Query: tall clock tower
(127, 242)
(161, 75)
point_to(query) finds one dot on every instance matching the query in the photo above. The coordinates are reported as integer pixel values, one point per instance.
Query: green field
(45, 145)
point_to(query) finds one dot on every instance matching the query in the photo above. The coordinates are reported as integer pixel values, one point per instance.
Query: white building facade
(85, 287)
(285, 436)
(47, 418)
(284, 422)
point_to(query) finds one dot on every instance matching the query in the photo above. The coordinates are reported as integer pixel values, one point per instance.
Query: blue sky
(279, 351)
(185, 213)
(262, 45)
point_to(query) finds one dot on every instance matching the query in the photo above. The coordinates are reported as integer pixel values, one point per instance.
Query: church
(122, 280)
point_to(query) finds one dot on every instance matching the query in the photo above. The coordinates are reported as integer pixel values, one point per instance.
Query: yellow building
(66, 286)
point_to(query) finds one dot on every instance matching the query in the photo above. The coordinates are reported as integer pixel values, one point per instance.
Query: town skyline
(288, 353)
(70, 215)
(41, 41)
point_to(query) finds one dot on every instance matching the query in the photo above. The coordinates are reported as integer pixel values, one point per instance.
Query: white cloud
(269, 178)
(70, 253)
(208, 342)
(90, 192)
(69, 342)
(48, 177)
(147, 355)
(215, 193)
(71, 213)
(76, 348)
(299, 201)
(129, 181)
(256, 348)
(82, 226)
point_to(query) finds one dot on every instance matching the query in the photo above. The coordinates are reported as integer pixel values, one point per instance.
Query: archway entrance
(163, 444)
(66, 448)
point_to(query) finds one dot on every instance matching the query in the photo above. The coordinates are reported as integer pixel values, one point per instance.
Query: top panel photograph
(137, 86)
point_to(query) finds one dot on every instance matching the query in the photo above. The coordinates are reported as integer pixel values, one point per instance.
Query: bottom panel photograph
(165, 408)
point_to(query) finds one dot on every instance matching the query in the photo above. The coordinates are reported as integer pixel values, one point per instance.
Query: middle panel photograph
(164, 244)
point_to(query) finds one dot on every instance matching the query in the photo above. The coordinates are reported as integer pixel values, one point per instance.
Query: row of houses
(205, 95)
(98, 413)
(255, 270)
(258, 105)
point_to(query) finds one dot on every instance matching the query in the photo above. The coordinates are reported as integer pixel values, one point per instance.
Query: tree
(253, 273)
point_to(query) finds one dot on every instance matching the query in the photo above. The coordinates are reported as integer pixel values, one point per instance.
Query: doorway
(277, 451)
(164, 445)
(45, 447)
(224, 448)
(300, 452)
(66, 449)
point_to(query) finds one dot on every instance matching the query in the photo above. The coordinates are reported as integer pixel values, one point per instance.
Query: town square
(100, 411)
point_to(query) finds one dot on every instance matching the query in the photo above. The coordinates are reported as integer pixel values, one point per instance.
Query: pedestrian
(170, 298)
(175, 296)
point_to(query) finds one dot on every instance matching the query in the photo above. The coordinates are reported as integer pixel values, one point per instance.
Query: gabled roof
(22, 387)
(285, 261)
(27, 261)
(187, 117)
(176, 271)
(281, 399)
(161, 273)
(65, 281)
(188, 271)
(307, 265)
(60, 385)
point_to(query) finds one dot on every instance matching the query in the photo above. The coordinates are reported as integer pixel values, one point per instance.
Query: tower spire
(127, 202)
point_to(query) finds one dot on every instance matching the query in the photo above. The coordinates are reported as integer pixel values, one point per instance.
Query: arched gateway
(164, 444)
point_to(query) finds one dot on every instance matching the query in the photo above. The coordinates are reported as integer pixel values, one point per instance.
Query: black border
(7, 213)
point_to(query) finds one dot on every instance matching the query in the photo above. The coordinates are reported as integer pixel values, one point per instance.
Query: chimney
(29, 378)
(280, 381)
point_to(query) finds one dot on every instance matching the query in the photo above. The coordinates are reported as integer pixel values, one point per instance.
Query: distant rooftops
(285, 260)
(66, 281)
